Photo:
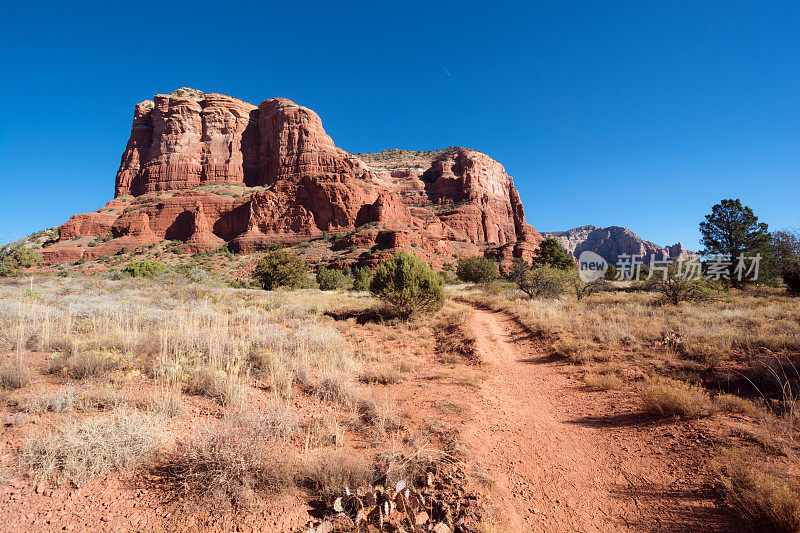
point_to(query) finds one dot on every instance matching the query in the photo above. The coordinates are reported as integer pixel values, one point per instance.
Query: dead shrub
(216, 384)
(231, 462)
(84, 365)
(379, 413)
(70, 399)
(669, 397)
(334, 387)
(14, 375)
(83, 451)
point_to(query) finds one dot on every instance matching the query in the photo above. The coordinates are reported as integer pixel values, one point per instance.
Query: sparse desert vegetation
(735, 354)
(208, 394)
(244, 399)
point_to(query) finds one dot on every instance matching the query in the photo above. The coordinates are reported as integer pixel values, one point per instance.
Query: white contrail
(445, 69)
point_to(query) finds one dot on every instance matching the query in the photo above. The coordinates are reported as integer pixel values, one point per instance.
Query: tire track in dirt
(551, 473)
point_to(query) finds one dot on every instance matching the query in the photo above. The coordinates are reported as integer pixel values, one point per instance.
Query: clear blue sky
(635, 114)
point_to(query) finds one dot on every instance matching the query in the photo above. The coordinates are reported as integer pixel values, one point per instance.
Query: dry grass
(448, 437)
(380, 413)
(765, 500)
(328, 472)
(320, 431)
(70, 399)
(735, 404)
(483, 477)
(79, 452)
(737, 322)
(233, 462)
(225, 387)
(383, 374)
(455, 341)
(335, 387)
(605, 381)
(14, 375)
(84, 365)
(669, 397)
(571, 350)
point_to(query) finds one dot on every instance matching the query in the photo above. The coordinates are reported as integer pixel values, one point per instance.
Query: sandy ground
(566, 459)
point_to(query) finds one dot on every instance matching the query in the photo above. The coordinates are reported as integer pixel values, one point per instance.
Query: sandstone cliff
(208, 169)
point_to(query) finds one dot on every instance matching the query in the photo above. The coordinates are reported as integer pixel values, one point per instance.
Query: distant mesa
(208, 170)
(613, 241)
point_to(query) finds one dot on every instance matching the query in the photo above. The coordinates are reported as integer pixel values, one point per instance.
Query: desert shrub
(540, 282)
(25, 257)
(280, 268)
(676, 288)
(408, 284)
(233, 462)
(84, 365)
(703, 353)
(15, 256)
(611, 274)
(764, 499)
(14, 375)
(330, 471)
(477, 269)
(605, 381)
(144, 269)
(83, 451)
(669, 397)
(361, 278)
(7, 269)
(329, 279)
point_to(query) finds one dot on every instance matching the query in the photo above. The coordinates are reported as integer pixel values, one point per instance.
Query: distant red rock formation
(208, 169)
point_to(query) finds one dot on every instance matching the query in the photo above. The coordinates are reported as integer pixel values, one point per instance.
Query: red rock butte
(208, 169)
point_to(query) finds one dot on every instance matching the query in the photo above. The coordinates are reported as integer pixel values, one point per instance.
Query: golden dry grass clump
(669, 397)
(768, 501)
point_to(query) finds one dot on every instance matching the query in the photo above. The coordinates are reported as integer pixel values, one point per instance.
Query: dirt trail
(554, 470)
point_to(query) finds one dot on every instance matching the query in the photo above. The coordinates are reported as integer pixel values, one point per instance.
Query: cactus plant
(377, 508)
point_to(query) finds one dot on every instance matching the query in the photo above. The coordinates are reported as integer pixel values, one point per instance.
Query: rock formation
(614, 241)
(208, 169)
